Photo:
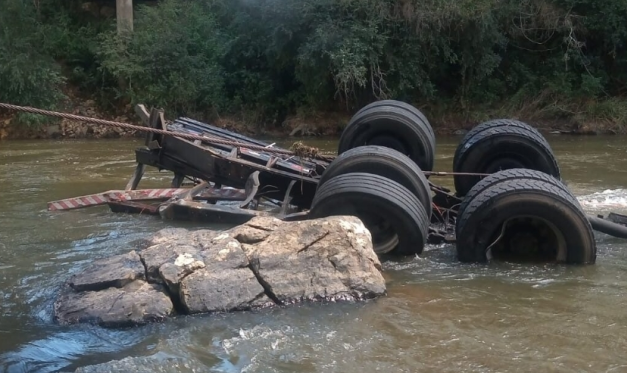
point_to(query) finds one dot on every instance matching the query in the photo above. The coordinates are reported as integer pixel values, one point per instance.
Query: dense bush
(541, 59)
(28, 74)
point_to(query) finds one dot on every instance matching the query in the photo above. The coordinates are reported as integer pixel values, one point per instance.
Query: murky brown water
(440, 315)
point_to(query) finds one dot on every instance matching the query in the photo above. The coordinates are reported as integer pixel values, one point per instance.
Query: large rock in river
(261, 263)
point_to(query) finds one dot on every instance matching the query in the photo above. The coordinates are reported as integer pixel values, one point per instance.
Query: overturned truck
(509, 200)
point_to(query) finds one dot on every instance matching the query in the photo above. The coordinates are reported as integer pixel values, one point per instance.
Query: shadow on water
(439, 315)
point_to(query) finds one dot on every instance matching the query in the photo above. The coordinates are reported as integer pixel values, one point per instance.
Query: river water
(439, 315)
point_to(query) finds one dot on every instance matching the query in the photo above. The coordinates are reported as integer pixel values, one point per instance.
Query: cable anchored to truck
(299, 151)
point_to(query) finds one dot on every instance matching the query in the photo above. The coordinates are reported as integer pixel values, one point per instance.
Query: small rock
(173, 273)
(255, 230)
(116, 271)
(266, 223)
(135, 304)
(250, 235)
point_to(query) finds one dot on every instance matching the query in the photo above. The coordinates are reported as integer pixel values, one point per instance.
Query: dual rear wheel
(378, 176)
(523, 215)
(520, 211)
(500, 145)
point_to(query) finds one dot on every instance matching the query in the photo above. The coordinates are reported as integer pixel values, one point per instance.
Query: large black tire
(501, 147)
(392, 127)
(386, 162)
(508, 175)
(401, 105)
(500, 214)
(376, 200)
(493, 124)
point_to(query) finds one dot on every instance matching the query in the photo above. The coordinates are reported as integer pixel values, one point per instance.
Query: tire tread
(392, 193)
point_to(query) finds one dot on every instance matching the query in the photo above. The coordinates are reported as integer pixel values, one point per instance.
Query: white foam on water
(255, 335)
(611, 198)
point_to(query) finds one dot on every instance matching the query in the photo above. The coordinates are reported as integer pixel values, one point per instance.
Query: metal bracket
(177, 180)
(136, 178)
(272, 161)
(149, 120)
(189, 195)
(287, 199)
(251, 188)
(154, 145)
(143, 114)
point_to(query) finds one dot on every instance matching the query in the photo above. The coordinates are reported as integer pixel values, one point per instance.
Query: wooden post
(124, 13)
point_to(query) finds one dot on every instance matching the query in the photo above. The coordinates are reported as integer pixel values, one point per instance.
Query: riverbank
(444, 119)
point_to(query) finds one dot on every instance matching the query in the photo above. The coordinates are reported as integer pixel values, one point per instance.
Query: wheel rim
(528, 239)
(389, 142)
(503, 163)
(384, 237)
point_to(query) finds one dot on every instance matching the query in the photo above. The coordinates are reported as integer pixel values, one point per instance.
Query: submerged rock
(136, 303)
(150, 364)
(261, 263)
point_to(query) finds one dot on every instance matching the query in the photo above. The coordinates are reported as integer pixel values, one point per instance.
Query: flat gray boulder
(136, 303)
(116, 271)
(328, 259)
(229, 290)
(261, 263)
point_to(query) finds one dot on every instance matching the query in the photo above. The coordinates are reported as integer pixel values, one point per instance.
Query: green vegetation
(562, 61)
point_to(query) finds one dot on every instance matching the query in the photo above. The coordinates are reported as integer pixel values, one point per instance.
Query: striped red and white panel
(77, 202)
(113, 195)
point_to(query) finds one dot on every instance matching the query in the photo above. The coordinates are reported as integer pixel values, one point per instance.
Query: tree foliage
(172, 60)
(274, 57)
(28, 74)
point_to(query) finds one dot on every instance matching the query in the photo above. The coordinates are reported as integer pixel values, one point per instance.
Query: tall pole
(124, 13)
